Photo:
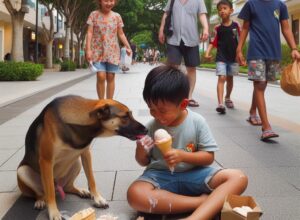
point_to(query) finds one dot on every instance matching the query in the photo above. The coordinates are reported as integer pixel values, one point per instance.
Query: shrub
(68, 65)
(20, 71)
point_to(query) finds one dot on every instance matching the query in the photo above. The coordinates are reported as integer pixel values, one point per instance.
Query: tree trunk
(49, 63)
(67, 44)
(78, 53)
(17, 35)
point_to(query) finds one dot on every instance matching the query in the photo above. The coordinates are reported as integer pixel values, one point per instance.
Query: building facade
(29, 32)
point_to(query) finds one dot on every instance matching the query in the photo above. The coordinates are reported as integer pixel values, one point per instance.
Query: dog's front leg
(86, 159)
(46, 169)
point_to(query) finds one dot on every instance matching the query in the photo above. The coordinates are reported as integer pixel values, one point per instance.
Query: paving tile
(277, 208)
(123, 180)
(13, 162)
(8, 181)
(263, 183)
(5, 154)
(11, 142)
(7, 199)
(289, 174)
(114, 158)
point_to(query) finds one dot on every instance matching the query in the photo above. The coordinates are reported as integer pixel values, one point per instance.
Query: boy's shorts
(190, 55)
(189, 183)
(106, 67)
(227, 69)
(263, 70)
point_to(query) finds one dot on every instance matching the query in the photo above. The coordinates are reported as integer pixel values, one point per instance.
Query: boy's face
(168, 113)
(224, 11)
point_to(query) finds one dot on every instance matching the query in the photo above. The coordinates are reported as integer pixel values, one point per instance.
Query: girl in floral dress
(102, 46)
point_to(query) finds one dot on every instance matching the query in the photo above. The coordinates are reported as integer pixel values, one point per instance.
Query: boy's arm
(288, 35)
(204, 23)
(239, 50)
(200, 158)
(207, 54)
(141, 155)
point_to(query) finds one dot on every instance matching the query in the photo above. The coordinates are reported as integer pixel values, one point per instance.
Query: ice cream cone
(164, 146)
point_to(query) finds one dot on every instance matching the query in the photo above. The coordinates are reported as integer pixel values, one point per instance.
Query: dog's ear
(102, 113)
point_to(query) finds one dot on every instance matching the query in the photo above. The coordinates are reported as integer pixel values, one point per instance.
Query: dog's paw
(39, 204)
(54, 215)
(84, 193)
(100, 202)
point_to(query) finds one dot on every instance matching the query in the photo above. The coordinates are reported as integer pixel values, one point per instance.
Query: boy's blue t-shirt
(264, 17)
(192, 135)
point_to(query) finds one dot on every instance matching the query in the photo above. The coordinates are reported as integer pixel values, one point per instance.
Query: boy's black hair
(166, 83)
(224, 2)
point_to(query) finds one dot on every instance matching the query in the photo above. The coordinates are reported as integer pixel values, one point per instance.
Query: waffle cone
(165, 146)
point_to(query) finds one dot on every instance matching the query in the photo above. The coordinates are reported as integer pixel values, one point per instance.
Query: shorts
(106, 67)
(227, 69)
(263, 70)
(190, 55)
(190, 183)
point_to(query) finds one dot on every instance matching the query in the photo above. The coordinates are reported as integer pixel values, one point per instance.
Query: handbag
(290, 79)
(167, 31)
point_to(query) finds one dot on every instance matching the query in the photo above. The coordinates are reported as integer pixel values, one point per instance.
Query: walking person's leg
(191, 72)
(110, 88)
(100, 86)
(220, 94)
(259, 89)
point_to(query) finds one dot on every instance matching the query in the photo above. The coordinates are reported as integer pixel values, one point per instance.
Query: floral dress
(105, 45)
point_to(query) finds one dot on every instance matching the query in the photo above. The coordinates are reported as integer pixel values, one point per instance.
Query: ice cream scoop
(163, 140)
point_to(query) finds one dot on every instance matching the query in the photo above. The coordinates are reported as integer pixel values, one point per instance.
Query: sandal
(193, 103)
(221, 109)
(254, 120)
(229, 103)
(268, 134)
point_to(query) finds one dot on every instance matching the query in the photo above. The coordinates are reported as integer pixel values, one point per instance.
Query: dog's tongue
(140, 136)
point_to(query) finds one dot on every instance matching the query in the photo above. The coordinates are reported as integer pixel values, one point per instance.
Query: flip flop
(221, 109)
(229, 103)
(268, 134)
(193, 103)
(254, 120)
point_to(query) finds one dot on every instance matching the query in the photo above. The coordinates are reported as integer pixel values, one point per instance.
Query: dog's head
(116, 119)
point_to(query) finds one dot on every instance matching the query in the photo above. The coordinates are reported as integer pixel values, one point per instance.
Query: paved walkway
(273, 168)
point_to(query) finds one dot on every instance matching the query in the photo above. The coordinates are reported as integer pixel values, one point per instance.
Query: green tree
(48, 33)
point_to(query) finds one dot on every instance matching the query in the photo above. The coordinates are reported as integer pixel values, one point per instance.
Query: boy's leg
(220, 89)
(224, 182)
(229, 86)
(144, 197)
(101, 77)
(259, 92)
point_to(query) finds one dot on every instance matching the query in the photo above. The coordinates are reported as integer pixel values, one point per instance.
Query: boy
(263, 19)
(186, 189)
(226, 41)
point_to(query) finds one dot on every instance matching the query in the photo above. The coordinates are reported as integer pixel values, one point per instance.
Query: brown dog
(59, 136)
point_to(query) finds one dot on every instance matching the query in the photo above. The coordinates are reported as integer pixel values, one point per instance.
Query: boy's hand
(240, 58)
(207, 56)
(295, 55)
(146, 142)
(173, 157)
